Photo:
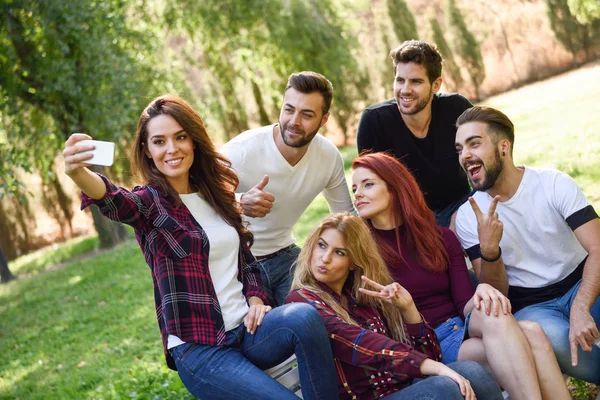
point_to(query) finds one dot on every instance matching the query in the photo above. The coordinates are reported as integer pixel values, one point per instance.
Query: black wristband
(490, 260)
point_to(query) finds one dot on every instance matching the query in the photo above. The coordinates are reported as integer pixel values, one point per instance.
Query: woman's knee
(443, 387)
(493, 324)
(302, 317)
(535, 336)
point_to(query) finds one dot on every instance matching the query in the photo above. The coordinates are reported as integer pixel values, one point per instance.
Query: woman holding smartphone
(216, 329)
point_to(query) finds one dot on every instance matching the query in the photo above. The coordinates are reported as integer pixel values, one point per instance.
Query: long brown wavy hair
(409, 207)
(210, 172)
(362, 252)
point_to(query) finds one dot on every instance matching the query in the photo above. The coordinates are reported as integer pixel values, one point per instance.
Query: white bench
(287, 374)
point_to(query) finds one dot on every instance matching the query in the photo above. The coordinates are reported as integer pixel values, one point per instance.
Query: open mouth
(407, 100)
(174, 162)
(474, 170)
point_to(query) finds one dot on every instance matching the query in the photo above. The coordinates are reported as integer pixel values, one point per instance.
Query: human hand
(393, 293)
(489, 228)
(256, 202)
(431, 367)
(582, 331)
(255, 316)
(491, 299)
(73, 153)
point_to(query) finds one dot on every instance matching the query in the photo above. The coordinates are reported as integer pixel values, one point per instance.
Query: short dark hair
(308, 82)
(419, 52)
(499, 125)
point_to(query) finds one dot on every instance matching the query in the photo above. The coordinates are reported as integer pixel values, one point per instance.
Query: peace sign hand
(489, 228)
(393, 293)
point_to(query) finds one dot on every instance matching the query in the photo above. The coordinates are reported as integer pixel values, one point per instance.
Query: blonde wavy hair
(363, 253)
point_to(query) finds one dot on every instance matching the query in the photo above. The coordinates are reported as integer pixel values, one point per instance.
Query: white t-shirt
(539, 247)
(254, 154)
(223, 259)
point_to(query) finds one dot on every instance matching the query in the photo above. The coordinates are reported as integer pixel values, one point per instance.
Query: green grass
(87, 329)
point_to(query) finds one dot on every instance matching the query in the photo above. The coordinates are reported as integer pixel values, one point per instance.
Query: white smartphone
(103, 154)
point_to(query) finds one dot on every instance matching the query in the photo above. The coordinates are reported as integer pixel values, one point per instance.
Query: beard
(303, 138)
(417, 108)
(492, 172)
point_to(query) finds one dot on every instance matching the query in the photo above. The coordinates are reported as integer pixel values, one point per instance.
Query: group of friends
(379, 302)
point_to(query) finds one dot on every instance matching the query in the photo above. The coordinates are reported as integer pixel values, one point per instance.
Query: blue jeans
(277, 274)
(234, 371)
(553, 316)
(451, 335)
(443, 388)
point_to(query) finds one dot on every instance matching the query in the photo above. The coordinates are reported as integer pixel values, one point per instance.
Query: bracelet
(490, 260)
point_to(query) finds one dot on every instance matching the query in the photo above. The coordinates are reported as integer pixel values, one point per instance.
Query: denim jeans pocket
(182, 351)
(445, 329)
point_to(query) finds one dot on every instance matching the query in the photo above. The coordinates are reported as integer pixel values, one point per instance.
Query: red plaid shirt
(176, 249)
(369, 364)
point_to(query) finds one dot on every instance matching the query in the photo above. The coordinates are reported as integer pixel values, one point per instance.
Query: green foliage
(581, 390)
(450, 67)
(586, 11)
(575, 36)
(465, 44)
(403, 20)
(85, 66)
(263, 41)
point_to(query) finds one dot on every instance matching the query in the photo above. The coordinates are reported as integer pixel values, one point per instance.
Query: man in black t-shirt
(418, 127)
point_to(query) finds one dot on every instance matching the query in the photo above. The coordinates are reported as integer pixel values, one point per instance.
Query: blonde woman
(380, 341)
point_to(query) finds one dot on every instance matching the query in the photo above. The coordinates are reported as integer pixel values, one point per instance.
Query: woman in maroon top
(379, 339)
(217, 330)
(429, 262)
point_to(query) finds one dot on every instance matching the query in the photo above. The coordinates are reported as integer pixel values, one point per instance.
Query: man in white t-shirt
(282, 168)
(533, 235)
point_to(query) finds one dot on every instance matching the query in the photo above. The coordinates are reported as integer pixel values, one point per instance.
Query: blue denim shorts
(451, 334)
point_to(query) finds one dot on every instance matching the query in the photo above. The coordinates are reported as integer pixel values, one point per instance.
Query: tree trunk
(110, 233)
(5, 274)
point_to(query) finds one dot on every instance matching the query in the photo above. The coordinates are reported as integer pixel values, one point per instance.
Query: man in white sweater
(282, 168)
(533, 235)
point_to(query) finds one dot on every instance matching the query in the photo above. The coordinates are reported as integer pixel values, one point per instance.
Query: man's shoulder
(384, 106)
(450, 98)
(251, 136)
(451, 102)
(323, 144)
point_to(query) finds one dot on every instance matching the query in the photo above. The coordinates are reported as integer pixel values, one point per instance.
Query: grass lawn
(87, 328)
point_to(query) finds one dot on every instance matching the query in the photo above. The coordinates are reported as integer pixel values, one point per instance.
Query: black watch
(490, 260)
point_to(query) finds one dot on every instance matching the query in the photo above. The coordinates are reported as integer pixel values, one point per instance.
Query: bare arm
(583, 330)
(489, 230)
(492, 273)
(76, 168)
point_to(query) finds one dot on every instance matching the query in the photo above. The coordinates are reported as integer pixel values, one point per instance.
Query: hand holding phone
(103, 153)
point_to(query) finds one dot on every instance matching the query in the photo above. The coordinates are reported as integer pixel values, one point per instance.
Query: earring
(503, 153)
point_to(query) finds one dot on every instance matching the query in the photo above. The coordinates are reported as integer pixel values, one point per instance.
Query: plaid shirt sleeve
(251, 280)
(358, 346)
(119, 204)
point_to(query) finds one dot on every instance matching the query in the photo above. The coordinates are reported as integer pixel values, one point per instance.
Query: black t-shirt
(432, 160)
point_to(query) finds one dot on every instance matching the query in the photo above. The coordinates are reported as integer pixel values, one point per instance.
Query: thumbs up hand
(256, 202)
